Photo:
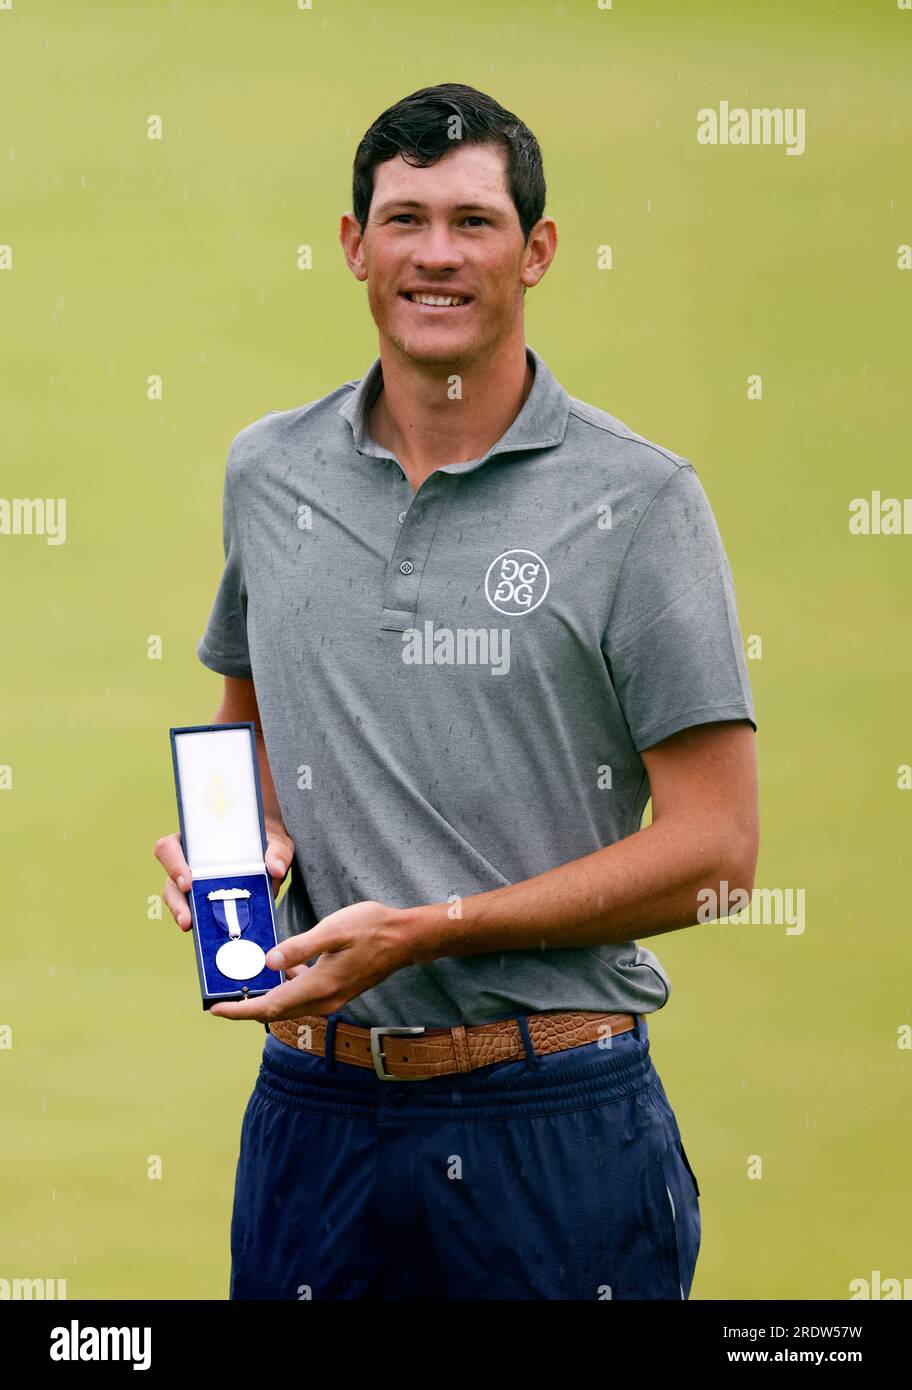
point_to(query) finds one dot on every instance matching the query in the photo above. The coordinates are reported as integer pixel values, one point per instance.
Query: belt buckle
(377, 1051)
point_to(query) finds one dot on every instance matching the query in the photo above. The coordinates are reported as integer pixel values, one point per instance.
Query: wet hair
(420, 128)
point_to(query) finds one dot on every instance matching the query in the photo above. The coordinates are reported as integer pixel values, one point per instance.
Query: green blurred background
(177, 257)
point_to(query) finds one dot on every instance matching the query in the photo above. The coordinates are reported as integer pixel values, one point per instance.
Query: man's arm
(239, 704)
(704, 830)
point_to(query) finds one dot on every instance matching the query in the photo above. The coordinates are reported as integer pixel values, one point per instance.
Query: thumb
(299, 948)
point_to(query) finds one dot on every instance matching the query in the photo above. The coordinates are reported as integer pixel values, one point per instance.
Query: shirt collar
(541, 423)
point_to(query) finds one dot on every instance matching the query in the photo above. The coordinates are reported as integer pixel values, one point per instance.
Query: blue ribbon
(242, 906)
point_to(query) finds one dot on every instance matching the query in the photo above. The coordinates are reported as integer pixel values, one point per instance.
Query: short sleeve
(223, 646)
(673, 643)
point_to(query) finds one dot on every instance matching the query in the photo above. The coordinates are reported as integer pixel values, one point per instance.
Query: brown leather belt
(412, 1054)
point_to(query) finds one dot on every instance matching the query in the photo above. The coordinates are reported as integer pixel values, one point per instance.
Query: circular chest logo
(516, 582)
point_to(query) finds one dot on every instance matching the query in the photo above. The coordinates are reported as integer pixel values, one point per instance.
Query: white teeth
(437, 301)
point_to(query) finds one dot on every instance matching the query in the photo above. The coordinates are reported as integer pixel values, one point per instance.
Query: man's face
(449, 229)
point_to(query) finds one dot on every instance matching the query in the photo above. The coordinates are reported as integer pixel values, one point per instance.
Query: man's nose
(437, 249)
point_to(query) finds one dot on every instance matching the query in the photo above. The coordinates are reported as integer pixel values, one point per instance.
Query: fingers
(170, 854)
(292, 970)
(300, 948)
(280, 852)
(302, 995)
(177, 904)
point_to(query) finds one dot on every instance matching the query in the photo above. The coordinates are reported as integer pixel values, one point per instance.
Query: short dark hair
(418, 127)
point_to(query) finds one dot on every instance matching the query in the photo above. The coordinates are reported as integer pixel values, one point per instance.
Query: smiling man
(456, 1098)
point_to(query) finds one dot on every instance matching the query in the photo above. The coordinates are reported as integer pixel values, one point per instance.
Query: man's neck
(417, 419)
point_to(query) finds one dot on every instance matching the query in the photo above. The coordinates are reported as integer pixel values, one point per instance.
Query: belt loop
(461, 1048)
(641, 1033)
(329, 1051)
(532, 1058)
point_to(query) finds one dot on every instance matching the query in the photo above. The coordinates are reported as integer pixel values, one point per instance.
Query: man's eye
(407, 216)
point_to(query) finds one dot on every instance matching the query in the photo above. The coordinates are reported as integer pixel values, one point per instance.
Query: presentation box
(220, 809)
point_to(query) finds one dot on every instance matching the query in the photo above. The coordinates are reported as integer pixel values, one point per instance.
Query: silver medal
(237, 959)
(240, 960)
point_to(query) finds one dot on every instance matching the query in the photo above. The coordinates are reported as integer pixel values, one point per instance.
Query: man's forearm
(272, 813)
(643, 885)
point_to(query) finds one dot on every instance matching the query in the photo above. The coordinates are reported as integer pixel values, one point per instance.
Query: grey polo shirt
(456, 685)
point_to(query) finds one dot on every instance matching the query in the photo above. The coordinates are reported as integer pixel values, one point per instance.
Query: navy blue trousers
(558, 1177)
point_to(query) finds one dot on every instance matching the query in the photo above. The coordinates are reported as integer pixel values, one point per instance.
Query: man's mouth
(436, 301)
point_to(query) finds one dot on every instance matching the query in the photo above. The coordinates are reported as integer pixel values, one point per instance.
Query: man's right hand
(170, 854)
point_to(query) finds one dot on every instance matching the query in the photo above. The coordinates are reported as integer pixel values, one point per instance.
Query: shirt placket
(417, 523)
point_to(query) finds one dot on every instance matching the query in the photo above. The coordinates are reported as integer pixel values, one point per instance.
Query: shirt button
(402, 516)
(406, 567)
